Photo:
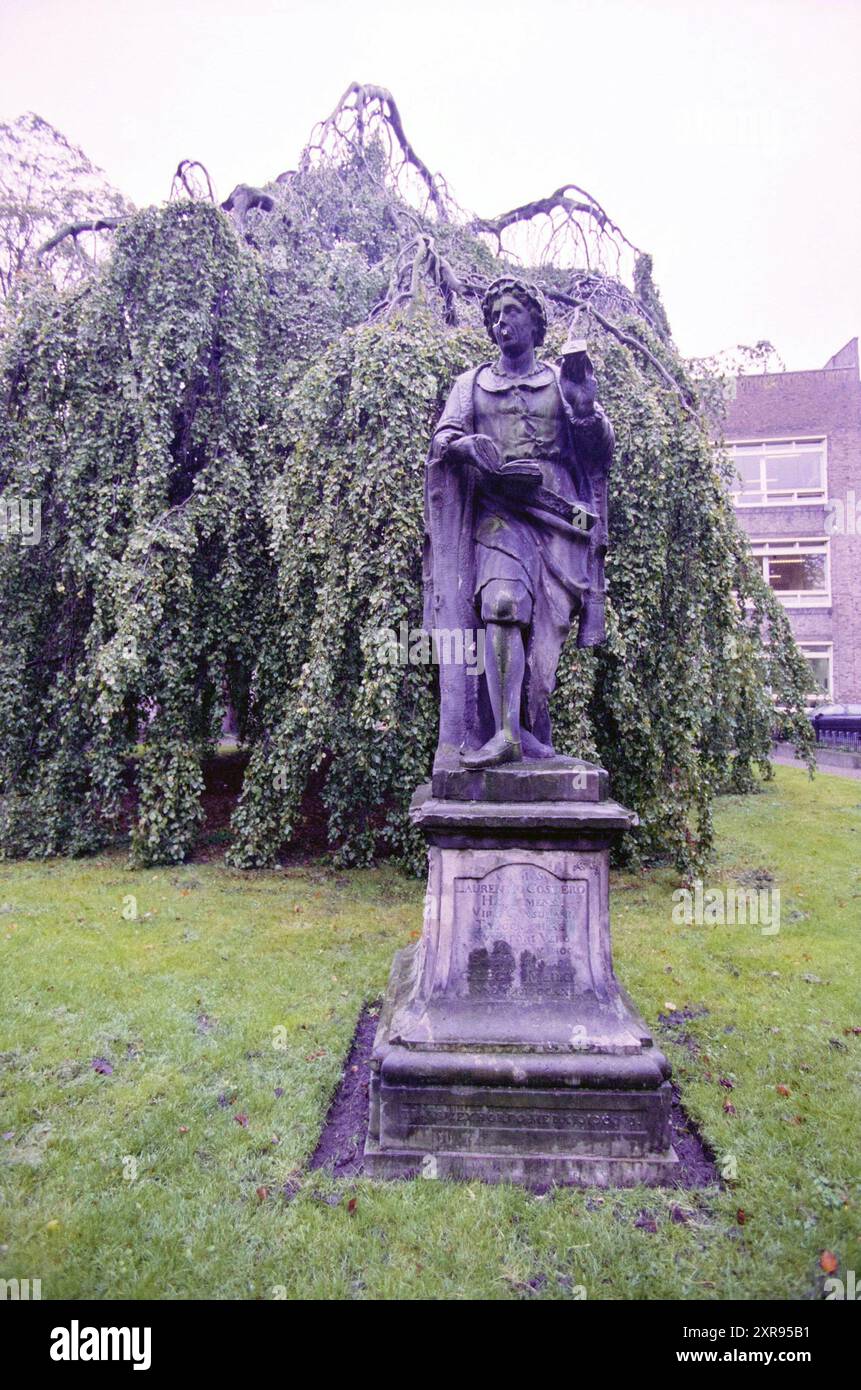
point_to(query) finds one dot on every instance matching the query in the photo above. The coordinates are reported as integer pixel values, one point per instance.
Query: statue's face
(511, 325)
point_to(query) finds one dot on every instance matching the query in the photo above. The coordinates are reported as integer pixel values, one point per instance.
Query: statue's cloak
(565, 566)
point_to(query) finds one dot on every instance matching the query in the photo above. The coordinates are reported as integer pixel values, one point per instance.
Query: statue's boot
(534, 748)
(499, 749)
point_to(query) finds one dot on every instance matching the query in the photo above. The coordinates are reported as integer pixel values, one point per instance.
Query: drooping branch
(560, 199)
(563, 210)
(364, 106)
(613, 299)
(421, 260)
(184, 178)
(633, 343)
(74, 230)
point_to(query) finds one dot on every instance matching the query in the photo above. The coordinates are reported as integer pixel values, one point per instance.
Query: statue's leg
(506, 607)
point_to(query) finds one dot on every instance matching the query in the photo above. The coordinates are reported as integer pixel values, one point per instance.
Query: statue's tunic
(474, 536)
(523, 418)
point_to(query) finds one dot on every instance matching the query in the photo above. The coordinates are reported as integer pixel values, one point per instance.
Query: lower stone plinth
(528, 1170)
(506, 1048)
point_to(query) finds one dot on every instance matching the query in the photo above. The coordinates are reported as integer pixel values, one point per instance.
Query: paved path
(824, 768)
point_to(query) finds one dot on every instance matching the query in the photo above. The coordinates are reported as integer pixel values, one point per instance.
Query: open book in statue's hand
(521, 480)
(518, 478)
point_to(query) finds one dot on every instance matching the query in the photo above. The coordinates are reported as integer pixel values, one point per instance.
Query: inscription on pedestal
(521, 931)
(534, 1118)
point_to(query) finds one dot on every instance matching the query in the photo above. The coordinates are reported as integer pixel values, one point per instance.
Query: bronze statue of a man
(515, 530)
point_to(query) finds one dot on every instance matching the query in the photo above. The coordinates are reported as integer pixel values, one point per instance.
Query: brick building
(796, 441)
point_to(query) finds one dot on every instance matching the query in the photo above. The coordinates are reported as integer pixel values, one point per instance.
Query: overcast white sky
(722, 135)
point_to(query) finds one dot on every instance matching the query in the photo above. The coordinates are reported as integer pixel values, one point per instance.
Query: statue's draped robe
(473, 536)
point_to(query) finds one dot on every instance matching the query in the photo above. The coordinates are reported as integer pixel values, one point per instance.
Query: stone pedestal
(506, 1048)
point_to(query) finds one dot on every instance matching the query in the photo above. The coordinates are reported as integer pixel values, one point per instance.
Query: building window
(819, 657)
(779, 472)
(797, 570)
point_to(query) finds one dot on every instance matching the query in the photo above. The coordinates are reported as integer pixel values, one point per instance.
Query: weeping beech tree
(225, 428)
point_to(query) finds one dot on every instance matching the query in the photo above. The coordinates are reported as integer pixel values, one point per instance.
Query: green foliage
(136, 412)
(347, 528)
(229, 458)
(169, 812)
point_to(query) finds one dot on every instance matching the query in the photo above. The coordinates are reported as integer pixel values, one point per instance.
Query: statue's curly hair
(529, 296)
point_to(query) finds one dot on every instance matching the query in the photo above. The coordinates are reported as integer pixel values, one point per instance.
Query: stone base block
(506, 1048)
(527, 1170)
(533, 780)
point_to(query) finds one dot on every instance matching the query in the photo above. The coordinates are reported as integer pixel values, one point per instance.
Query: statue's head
(528, 296)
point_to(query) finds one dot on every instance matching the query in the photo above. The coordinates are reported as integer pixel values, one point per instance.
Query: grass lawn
(219, 1017)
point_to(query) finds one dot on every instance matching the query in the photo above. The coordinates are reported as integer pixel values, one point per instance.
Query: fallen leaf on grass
(681, 1216)
(741, 1216)
(102, 1066)
(783, 1090)
(241, 1119)
(262, 1193)
(729, 1108)
(351, 1205)
(828, 1262)
(183, 1129)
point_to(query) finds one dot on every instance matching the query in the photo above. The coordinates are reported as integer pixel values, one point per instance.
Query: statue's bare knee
(506, 601)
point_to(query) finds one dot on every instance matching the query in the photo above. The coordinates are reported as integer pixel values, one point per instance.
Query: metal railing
(839, 738)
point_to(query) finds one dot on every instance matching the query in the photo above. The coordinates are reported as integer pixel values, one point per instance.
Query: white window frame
(767, 547)
(782, 497)
(811, 648)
